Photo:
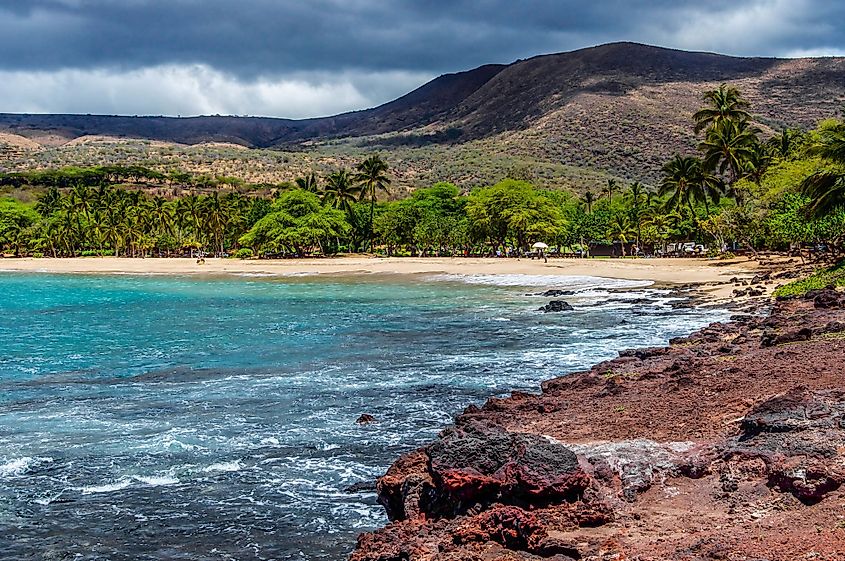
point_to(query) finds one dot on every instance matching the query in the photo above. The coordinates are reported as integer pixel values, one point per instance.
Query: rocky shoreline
(727, 444)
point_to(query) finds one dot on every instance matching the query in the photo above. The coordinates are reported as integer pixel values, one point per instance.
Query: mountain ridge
(619, 109)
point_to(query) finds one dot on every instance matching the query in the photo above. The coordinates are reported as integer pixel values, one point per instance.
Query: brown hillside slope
(619, 109)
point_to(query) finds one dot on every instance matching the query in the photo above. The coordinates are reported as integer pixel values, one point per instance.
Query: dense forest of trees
(736, 188)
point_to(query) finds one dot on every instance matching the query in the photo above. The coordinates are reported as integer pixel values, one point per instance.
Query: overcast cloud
(303, 58)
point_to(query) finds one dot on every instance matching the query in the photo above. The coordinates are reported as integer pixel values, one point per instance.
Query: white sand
(665, 271)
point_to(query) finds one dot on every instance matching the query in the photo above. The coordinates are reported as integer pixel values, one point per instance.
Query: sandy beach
(711, 275)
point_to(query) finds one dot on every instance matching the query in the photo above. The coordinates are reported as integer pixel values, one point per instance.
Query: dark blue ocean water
(148, 417)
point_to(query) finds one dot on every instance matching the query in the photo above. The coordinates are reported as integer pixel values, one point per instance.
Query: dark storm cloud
(299, 58)
(248, 38)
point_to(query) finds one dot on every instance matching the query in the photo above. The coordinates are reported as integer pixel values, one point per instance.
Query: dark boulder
(771, 339)
(361, 487)
(556, 306)
(826, 298)
(783, 413)
(555, 293)
(365, 419)
(483, 464)
(645, 353)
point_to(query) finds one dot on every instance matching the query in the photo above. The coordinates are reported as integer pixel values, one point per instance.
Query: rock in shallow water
(556, 306)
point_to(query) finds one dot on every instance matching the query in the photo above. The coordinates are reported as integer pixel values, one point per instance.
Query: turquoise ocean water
(153, 417)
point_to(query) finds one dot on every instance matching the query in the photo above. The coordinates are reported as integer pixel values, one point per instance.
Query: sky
(308, 58)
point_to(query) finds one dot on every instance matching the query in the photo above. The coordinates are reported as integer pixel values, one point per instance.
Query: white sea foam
(18, 466)
(106, 488)
(543, 280)
(224, 467)
(170, 443)
(15, 467)
(156, 481)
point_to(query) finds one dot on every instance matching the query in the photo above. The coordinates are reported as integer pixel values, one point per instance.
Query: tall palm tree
(636, 197)
(340, 190)
(189, 210)
(682, 180)
(161, 215)
(589, 198)
(372, 176)
(725, 103)
(729, 144)
(826, 188)
(609, 189)
(215, 219)
(111, 227)
(755, 166)
(49, 202)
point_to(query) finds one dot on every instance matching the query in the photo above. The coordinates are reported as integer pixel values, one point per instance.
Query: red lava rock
(728, 444)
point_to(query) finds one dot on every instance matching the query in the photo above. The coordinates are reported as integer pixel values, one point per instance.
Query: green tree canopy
(296, 223)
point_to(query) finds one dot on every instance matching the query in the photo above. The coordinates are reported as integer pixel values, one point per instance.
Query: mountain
(422, 106)
(620, 109)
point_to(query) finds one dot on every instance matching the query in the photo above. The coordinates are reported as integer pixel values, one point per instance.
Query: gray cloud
(332, 55)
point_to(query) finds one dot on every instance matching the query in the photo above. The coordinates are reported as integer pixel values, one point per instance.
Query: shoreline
(710, 279)
(661, 453)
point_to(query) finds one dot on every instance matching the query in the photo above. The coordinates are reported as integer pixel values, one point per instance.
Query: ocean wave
(19, 466)
(566, 281)
(106, 488)
(156, 481)
(224, 467)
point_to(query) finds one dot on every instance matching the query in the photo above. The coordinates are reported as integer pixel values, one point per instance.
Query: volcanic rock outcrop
(728, 444)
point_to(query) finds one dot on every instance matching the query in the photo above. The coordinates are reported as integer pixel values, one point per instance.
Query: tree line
(734, 188)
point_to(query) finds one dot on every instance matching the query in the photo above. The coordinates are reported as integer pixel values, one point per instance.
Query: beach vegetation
(734, 191)
(833, 276)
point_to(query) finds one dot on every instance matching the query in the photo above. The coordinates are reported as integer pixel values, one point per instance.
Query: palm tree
(340, 191)
(826, 188)
(190, 213)
(111, 228)
(729, 144)
(80, 203)
(49, 202)
(831, 144)
(636, 196)
(784, 144)
(725, 103)
(620, 228)
(662, 223)
(215, 219)
(754, 168)
(372, 176)
(308, 183)
(609, 188)
(682, 180)
(589, 199)
(161, 215)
